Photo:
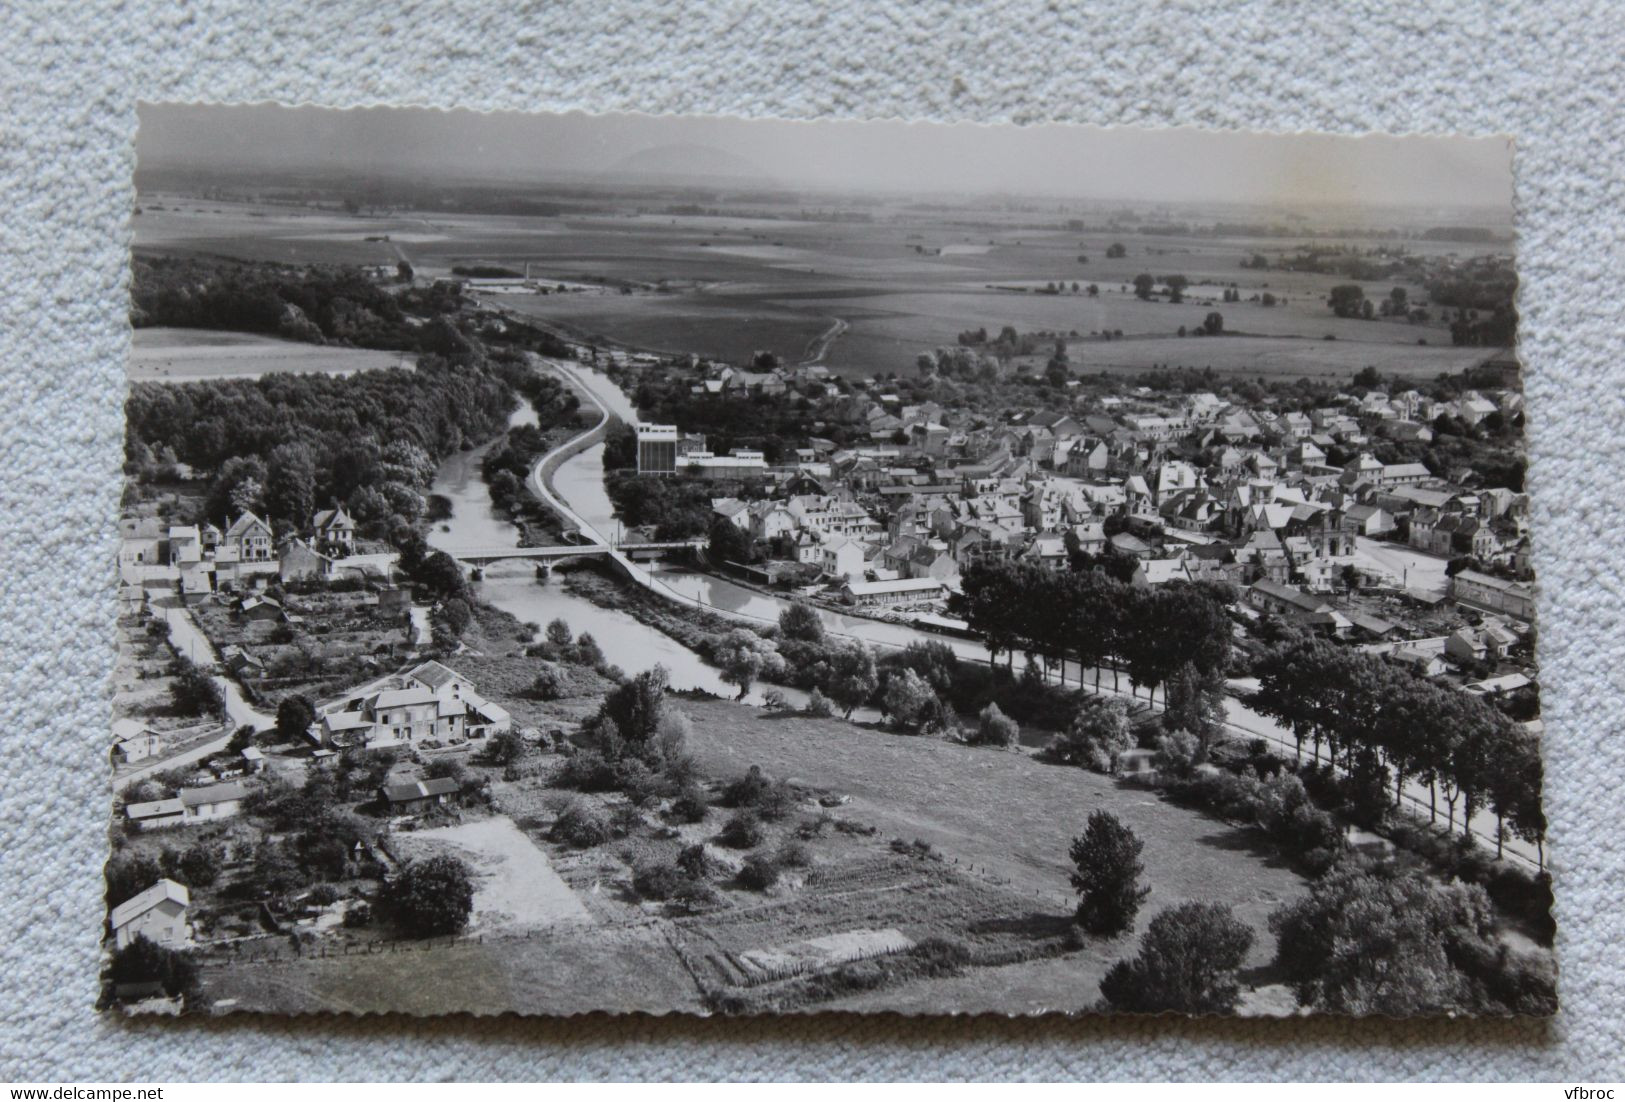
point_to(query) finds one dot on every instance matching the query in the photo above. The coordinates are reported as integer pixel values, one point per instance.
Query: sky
(1051, 160)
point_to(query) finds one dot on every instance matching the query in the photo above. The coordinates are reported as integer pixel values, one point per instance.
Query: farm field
(905, 282)
(162, 354)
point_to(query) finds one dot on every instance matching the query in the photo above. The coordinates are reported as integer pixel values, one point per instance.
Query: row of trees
(1376, 716)
(1089, 618)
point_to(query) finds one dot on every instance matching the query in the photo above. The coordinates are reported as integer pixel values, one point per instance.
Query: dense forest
(286, 445)
(320, 305)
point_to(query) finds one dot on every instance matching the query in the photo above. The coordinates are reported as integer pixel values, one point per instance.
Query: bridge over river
(476, 556)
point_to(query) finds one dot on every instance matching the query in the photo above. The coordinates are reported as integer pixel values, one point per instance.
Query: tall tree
(1106, 876)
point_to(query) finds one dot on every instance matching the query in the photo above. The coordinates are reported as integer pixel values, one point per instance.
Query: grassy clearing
(189, 355)
(1007, 819)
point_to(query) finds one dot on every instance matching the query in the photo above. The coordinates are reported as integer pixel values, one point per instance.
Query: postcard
(627, 563)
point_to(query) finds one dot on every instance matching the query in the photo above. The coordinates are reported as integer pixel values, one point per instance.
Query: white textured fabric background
(72, 72)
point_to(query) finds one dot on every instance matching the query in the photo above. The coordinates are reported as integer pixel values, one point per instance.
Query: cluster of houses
(204, 558)
(429, 706)
(895, 520)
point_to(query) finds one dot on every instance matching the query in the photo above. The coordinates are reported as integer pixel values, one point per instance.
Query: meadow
(166, 354)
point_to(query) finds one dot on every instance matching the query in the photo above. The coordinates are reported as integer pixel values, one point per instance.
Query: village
(1288, 507)
(376, 739)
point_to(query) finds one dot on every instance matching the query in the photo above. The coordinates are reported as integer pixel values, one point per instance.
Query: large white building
(657, 449)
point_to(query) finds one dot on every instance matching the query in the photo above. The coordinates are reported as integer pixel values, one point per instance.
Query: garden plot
(515, 885)
(760, 965)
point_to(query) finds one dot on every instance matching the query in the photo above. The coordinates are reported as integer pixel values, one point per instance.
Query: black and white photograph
(678, 564)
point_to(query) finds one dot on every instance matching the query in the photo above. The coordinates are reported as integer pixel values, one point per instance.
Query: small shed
(414, 797)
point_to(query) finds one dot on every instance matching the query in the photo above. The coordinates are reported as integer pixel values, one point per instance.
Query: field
(189, 355)
(1006, 820)
(907, 281)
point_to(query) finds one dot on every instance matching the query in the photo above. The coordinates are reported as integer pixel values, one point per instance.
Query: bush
(690, 805)
(549, 683)
(432, 896)
(323, 895)
(641, 784)
(582, 824)
(759, 872)
(199, 864)
(940, 956)
(1107, 877)
(743, 830)
(358, 914)
(793, 854)
(193, 692)
(144, 961)
(994, 728)
(558, 633)
(1311, 836)
(293, 717)
(911, 703)
(128, 875)
(774, 701)
(1386, 941)
(657, 880)
(625, 820)
(1187, 963)
(819, 706)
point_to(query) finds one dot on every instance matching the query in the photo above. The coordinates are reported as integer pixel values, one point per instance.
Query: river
(626, 641)
(513, 586)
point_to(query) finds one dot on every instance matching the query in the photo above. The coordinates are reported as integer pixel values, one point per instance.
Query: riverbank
(692, 627)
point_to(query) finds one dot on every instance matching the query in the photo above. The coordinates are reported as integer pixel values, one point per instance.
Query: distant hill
(691, 165)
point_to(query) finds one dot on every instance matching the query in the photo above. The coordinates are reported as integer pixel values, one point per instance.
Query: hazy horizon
(1047, 161)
